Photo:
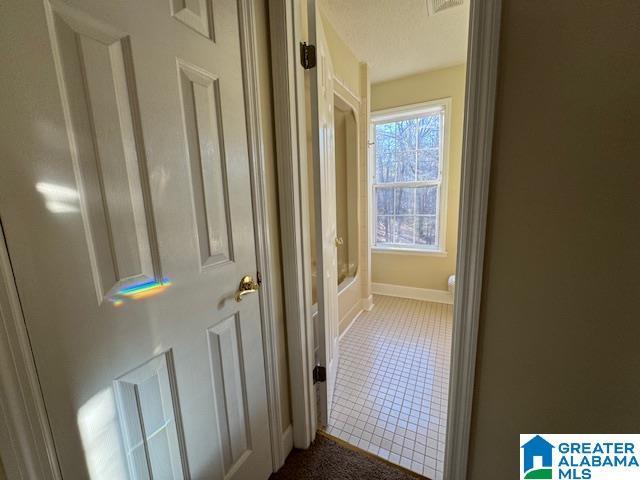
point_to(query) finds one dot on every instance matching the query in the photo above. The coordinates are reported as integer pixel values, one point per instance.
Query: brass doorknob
(339, 241)
(247, 285)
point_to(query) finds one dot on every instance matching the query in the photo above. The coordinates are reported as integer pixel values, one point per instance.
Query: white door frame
(291, 153)
(255, 134)
(26, 443)
(289, 101)
(480, 97)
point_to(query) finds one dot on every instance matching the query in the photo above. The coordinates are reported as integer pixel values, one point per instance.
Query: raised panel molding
(195, 14)
(200, 93)
(150, 422)
(95, 74)
(229, 388)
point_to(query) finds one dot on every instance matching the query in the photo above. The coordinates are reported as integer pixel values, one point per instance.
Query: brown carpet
(329, 458)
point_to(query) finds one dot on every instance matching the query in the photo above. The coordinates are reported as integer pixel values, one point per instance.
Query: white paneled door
(126, 203)
(324, 173)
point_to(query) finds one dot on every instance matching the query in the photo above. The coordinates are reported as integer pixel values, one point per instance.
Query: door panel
(149, 420)
(124, 187)
(95, 80)
(230, 388)
(323, 148)
(196, 14)
(200, 92)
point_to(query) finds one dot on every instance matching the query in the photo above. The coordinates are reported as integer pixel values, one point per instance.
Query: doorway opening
(388, 363)
(299, 33)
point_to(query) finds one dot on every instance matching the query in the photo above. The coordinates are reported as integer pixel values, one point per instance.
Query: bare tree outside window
(408, 179)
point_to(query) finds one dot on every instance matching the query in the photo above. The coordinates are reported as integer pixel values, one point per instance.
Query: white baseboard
(367, 303)
(350, 316)
(353, 320)
(287, 442)
(427, 294)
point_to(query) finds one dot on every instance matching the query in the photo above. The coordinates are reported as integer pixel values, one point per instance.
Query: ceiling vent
(437, 6)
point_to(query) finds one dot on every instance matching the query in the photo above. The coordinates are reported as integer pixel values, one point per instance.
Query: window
(409, 186)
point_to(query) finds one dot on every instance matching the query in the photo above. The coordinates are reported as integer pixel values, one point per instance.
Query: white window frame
(403, 113)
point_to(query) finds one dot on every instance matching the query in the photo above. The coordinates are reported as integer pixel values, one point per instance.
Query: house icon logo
(537, 459)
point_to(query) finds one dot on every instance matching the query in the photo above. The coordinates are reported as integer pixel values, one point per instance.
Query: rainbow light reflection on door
(139, 291)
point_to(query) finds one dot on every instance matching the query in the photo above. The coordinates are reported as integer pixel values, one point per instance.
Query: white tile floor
(393, 383)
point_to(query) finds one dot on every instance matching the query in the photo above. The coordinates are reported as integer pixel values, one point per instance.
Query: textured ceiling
(398, 37)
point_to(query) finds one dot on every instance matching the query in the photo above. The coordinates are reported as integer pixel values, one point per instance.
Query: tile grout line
(391, 392)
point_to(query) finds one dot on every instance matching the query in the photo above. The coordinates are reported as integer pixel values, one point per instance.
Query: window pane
(427, 200)
(384, 229)
(406, 134)
(406, 167)
(426, 230)
(405, 201)
(429, 131)
(428, 164)
(384, 201)
(406, 225)
(386, 167)
(386, 138)
(408, 151)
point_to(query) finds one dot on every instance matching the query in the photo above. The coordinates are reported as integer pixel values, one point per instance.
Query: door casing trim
(288, 85)
(291, 154)
(26, 442)
(262, 228)
(480, 99)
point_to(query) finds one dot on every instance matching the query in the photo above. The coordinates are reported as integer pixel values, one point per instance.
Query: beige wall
(560, 317)
(346, 67)
(426, 271)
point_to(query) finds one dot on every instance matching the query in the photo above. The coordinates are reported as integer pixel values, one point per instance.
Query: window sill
(409, 251)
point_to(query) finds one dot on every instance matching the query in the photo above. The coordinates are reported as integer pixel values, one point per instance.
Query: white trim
(261, 227)
(409, 251)
(367, 303)
(416, 183)
(353, 320)
(26, 442)
(364, 161)
(405, 112)
(482, 67)
(354, 105)
(346, 283)
(287, 440)
(354, 311)
(290, 132)
(354, 99)
(411, 110)
(414, 293)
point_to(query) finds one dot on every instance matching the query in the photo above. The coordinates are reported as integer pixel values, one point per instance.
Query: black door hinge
(319, 374)
(307, 55)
